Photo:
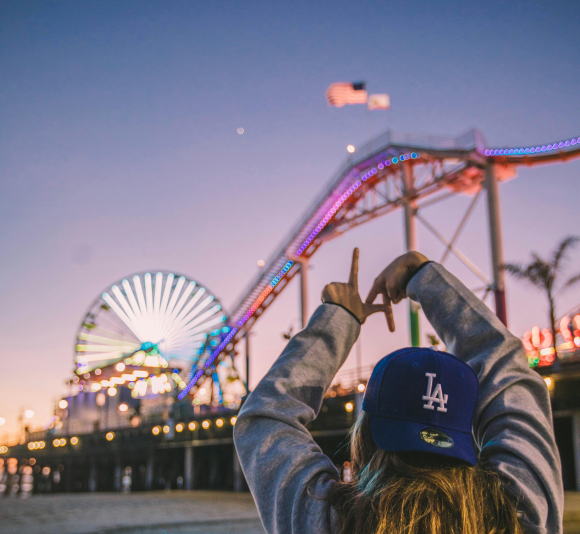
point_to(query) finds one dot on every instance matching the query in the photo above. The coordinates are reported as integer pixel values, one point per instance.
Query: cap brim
(405, 436)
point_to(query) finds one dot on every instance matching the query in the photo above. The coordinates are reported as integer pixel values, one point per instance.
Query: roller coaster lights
(262, 296)
(348, 193)
(199, 372)
(535, 149)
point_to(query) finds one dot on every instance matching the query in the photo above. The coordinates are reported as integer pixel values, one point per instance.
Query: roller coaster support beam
(496, 241)
(303, 292)
(410, 209)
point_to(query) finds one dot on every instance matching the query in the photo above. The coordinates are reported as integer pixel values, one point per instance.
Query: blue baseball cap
(423, 400)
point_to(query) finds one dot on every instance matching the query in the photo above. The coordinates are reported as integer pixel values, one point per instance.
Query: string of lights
(532, 149)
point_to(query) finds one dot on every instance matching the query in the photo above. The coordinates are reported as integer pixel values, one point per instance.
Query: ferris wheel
(153, 320)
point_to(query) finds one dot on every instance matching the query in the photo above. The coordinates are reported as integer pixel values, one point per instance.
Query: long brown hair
(417, 493)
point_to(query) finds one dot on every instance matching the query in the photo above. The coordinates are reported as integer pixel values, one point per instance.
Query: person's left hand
(347, 296)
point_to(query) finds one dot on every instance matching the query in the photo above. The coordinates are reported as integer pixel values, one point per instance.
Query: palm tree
(546, 274)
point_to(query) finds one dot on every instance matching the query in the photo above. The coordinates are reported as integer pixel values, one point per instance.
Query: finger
(396, 294)
(392, 294)
(373, 293)
(373, 308)
(353, 278)
(388, 307)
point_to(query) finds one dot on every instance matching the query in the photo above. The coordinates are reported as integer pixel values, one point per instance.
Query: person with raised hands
(457, 442)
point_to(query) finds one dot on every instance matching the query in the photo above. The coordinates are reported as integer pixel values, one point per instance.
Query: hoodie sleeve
(513, 423)
(288, 474)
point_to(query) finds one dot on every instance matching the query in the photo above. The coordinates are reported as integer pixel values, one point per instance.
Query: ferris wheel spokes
(157, 313)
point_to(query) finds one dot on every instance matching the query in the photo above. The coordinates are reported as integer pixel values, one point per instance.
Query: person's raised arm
(513, 419)
(288, 474)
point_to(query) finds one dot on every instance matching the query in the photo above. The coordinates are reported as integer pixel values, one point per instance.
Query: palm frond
(560, 252)
(573, 280)
(538, 259)
(515, 269)
(539, 272)
(530, 272)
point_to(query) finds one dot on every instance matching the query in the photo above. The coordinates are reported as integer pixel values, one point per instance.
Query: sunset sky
(119, 151)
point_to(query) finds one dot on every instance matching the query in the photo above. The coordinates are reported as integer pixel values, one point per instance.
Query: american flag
(340, 94)
(381, 101)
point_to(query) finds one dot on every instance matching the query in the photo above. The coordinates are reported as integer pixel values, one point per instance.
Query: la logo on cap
(434, 395)
(407, 402)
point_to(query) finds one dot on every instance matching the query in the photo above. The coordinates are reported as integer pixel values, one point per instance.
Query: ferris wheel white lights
(147, 318)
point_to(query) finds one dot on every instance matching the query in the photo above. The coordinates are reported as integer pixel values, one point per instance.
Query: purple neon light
(347, 194)
(536, 149)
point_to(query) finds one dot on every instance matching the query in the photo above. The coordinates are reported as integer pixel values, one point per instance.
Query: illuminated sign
(538, 342)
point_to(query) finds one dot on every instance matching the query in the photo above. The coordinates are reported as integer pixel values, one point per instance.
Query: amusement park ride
(146, 330)
(136, 344)
(163, 334)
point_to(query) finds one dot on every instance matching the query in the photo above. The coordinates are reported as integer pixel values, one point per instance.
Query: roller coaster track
(369, 185)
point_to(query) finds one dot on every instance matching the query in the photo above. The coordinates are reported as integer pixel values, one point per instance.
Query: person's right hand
(347, 295)
(392, 282)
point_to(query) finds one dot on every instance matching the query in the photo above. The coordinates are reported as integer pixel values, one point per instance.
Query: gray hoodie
(288, 474)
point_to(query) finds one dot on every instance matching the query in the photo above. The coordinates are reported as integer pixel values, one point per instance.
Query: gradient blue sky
(118, 150)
